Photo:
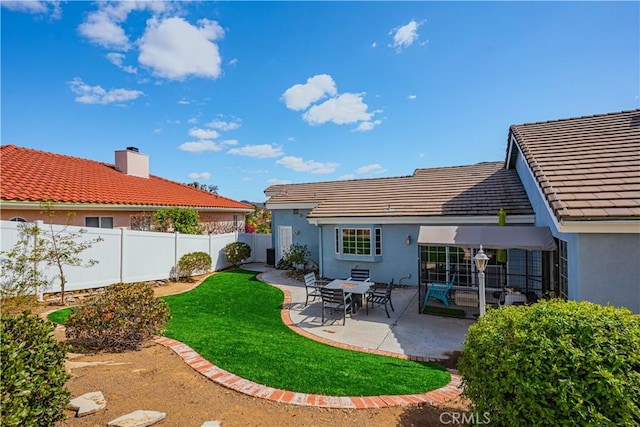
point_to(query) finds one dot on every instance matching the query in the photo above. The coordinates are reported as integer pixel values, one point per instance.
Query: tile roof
(480, 189)
(587, 167)
(33, 175)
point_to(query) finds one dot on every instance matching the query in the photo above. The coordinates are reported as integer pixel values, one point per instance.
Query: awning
(493, 237)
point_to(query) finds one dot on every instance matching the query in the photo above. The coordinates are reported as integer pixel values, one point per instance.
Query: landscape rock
(88, 403)
(211, 424)
(139, 418)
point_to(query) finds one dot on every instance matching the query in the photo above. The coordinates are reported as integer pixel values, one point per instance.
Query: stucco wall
(398, 259)
(303, 232)
(611, 272)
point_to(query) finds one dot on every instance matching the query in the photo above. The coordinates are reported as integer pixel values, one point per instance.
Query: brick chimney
(132, 162)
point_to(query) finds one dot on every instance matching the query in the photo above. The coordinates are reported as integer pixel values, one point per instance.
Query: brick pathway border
(234, 382)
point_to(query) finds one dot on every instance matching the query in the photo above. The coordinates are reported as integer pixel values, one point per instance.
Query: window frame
(368, 250)
(100, 221)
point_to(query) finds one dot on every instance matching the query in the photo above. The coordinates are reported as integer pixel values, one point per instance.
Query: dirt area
(155, 378)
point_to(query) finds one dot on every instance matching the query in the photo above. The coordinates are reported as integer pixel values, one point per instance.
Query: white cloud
(229, 142)
(245, 179)
(412, 96)
(175, 49)
(346, 177)
(275, 181)
(203, 176)
(184, 102)
(233, 61)
(369, 169)
(405, 35)
(421, 155)
(192, 121)
(345, 108)
(258, 151)
(203, 133)
(103, 27)
(117, 58)
(157, 131)
(255, 171)
(45, 7)
(367, 126)
(199, 146)
(97, 95)
(300, 165)
(374, 45)
(300, 96)
(224, 125)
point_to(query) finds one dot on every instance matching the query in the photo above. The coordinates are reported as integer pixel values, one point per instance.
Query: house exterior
(570, 190)
(119, 195)
(582, 178)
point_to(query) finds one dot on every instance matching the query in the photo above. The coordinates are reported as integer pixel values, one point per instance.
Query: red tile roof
(31, 176)
(587, 167)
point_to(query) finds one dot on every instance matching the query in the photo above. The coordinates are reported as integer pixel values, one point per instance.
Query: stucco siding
(610, 272)
(303, 232)
(398, 259)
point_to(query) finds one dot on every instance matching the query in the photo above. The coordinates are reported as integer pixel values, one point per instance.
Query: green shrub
(117, 320)
(33, 374)
(194, 262)
(297, 255)
(237, 252)
(555, 363)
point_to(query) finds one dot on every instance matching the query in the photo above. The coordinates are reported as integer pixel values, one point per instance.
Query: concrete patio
(405, 332)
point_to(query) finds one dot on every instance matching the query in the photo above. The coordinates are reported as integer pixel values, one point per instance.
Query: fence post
(175, 257)
(122, 255)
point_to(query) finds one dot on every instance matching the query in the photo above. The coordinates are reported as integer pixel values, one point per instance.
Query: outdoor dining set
(350, 294)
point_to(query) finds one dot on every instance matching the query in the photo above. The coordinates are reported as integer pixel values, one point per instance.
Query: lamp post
(481, 263)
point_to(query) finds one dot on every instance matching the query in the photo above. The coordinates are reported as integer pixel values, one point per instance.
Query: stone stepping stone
(88, 403)
(211, 424)
(138, 418)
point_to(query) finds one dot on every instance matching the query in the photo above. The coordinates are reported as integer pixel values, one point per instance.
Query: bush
(297, 255)
(33, 374)
(554, 363)
(237, 252)
(194, 262)
(118, 320)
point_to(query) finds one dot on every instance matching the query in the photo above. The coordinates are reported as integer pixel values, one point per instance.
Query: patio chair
(312, 287)
(359, 275)
(336, 300)
(381, 297)
(439, 291)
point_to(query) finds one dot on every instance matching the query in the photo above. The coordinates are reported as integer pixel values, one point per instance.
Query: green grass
(60, 316)
(444, 311)
(233, 320)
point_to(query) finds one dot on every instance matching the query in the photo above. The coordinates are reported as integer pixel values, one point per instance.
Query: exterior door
(284, 240)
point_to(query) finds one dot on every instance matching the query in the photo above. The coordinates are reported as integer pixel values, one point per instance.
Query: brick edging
(234, 382)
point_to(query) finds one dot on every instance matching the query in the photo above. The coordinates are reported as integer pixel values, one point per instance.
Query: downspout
(321, 252)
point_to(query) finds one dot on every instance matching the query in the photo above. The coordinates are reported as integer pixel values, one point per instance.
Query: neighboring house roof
(588, 168)
(29, 175)
(476, 190)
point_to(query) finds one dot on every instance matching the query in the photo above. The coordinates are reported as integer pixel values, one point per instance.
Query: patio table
(354, 287)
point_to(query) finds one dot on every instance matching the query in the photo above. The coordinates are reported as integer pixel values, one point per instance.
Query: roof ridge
(590, 116)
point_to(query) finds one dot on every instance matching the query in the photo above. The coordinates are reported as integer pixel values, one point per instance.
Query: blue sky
(243, 95)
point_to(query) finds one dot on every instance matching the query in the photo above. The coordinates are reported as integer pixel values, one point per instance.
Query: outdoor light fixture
(481, 260)
(408, 239)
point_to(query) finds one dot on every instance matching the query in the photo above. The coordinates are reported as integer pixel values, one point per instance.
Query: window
(358, 242)
(140, 222)
(18, 219)
(235, 222)
(563, 270)
(99, 221)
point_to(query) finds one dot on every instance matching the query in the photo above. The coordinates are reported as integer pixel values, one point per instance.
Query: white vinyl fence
(126, 256)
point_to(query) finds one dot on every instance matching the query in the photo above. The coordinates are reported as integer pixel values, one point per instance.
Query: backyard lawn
(233, 320)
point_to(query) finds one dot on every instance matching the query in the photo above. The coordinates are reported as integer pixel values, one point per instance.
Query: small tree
(62, 248)
(182, 220)
(297, 255)
(20, 277)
